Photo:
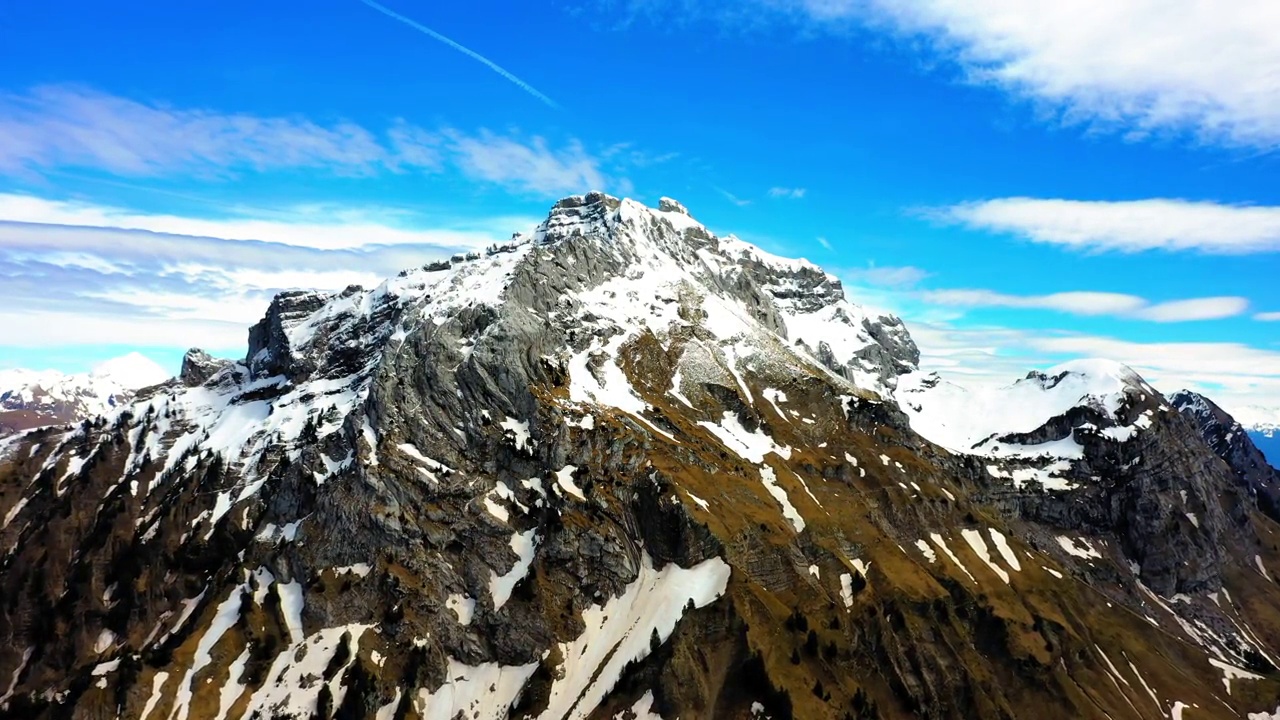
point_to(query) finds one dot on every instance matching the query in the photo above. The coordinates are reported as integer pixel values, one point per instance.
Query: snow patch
(751, 446)
(979, 547)
(789, 511)
(564, 479)
(1081, 550)
(927, 551)
(483, 692)
(942, 545)
(462, 606)
(500, 586)
(618, 633)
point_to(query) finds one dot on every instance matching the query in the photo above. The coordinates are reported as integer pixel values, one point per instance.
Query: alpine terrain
(624, 468)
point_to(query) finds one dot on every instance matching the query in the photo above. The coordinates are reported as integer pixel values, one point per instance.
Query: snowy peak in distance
(963, 419)
(32, 398)
(1037, 428)
(132, 371)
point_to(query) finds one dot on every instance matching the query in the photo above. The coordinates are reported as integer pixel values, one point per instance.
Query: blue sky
(1023, 183)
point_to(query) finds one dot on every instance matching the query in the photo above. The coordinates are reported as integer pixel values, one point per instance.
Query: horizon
(1018, 205)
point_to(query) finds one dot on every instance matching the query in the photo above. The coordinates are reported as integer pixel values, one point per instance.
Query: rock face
(198, 366)
(622, 468)
(1232, 443)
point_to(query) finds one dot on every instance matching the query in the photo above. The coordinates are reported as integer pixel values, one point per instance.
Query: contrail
(465, 51)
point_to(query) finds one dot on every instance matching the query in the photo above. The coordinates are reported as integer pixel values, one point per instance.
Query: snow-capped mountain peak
(133, 371)
(1035, 426)
(962, 418)
(30, 398)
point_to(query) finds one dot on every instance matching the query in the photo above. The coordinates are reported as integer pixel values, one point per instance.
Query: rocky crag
(624, 468)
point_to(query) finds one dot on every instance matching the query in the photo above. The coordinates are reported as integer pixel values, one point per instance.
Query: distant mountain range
(33, 398)
(1263, 426)
(1268, 441)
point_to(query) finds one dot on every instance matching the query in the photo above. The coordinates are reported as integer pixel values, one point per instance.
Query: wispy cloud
(1142, 67)
(1096, 304)
(824, 242)
(67, 126)
(888, 276)
(530, 166)
(1126, 226)
(1267, 317)
(320, 227)
(787, 193)
(740, 202)
(77, 275)
(1139, 68)
(464, 50)
(58, 127)
(1209, 308)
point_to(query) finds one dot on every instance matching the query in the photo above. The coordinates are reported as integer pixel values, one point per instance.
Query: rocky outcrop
(198, 366)
(1231, 442)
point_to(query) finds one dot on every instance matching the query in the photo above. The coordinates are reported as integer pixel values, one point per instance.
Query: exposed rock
(1230, 441)
(198, 366)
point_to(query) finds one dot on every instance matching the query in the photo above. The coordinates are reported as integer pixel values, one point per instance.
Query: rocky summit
(622, 468)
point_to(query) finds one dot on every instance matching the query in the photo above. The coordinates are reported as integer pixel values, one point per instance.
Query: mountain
(625, 468)
(1229, 440)
(30, 398)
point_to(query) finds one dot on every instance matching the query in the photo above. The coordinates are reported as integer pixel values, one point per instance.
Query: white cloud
(1210, 308)
(824, 242)
(1267, 317)
(1077, 303)
(81, 284)
(1096, 303)
(1234, 374)
(1126, 226)
(530, 166)
(73, 127)
(56, 126)
(787, 193)
(319, 227)
(1210, 71)
(1140, 66)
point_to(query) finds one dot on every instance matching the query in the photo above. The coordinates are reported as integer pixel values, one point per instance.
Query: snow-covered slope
(967, 419)
(1012, 422)
(30, 398)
